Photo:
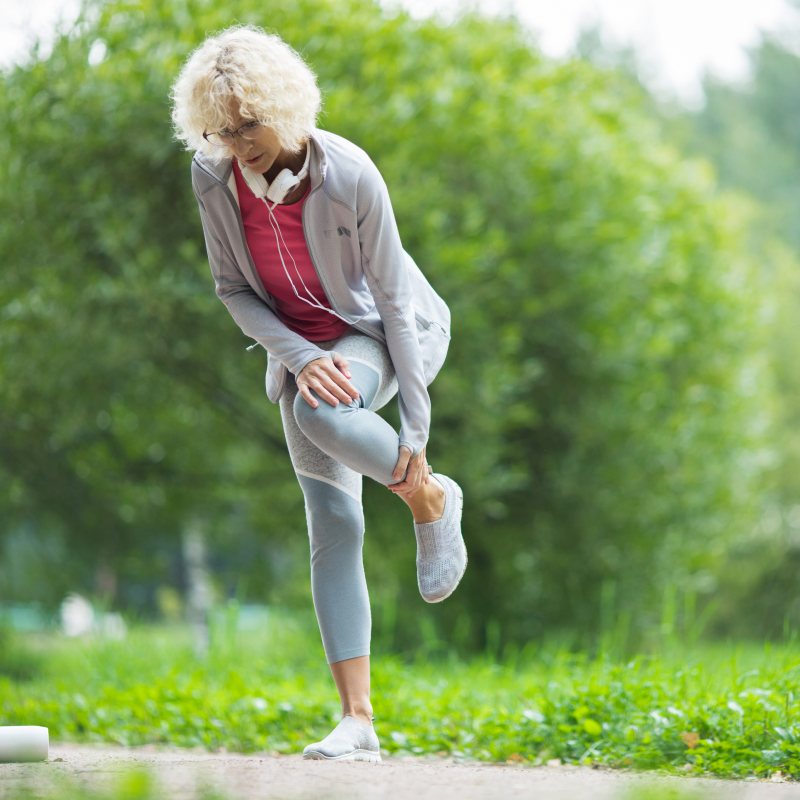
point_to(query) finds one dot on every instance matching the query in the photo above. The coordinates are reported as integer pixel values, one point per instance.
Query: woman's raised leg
(354, 435)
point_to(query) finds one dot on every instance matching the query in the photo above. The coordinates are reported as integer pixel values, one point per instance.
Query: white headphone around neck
(283, 185)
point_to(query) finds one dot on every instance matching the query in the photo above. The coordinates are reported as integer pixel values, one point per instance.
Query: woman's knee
(333, 531)
(335, 519)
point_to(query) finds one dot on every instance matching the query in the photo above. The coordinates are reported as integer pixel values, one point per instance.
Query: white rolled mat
(24, 743)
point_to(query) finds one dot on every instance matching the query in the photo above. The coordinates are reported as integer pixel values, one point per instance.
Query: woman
(306, 256)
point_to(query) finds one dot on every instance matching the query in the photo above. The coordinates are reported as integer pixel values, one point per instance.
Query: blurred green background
(621, 401)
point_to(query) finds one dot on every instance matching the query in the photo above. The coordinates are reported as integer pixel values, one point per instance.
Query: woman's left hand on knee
(415, 469)
(328, 377)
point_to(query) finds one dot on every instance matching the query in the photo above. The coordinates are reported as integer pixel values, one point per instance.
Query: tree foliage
(603, 403)
(750, 132)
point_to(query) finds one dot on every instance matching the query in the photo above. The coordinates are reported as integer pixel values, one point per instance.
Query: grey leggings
(331, 448)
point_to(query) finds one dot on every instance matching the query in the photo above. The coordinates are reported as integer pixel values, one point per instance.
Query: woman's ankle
(362, 715)
(427, 505)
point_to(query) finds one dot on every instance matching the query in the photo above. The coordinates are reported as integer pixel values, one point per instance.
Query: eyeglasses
(250, 130)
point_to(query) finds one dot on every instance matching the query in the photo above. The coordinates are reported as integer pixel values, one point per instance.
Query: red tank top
(311, 323)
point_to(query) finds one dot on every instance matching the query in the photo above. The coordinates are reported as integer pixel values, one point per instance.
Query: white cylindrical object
(24, 743)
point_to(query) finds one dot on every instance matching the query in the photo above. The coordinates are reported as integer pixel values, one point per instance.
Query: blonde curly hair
(270, 81)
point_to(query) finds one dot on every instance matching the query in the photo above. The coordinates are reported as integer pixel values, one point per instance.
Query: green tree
(603, 402)
(750, 132)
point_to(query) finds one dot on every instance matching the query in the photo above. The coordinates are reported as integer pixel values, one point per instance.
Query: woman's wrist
(410, 448)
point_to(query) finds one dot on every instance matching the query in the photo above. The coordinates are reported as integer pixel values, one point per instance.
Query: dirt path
(182, 774)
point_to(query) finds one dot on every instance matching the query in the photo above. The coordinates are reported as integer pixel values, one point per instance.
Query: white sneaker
(350, 740)
(441, 552)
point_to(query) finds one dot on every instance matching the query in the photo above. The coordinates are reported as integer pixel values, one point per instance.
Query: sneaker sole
(466, 555)
(357, 755)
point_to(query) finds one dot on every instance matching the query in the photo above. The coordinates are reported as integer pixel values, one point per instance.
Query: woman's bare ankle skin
(359, 715)
(352, 681)
(427, 504)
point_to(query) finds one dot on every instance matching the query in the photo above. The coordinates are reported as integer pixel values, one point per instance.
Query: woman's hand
(329, 379)
(418, 472)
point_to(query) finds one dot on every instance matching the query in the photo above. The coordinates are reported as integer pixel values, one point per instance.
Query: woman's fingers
(416, 472)
(311, 384)
(339, 380)
(328, 373)
(417, 468)
(404, 487)
(414, 476)
(403, 455)
(306, 392)
(333, 389)
(324, 394)
(323, 374)
(342, 364)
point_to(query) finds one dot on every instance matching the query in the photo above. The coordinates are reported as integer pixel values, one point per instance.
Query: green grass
(272, 691)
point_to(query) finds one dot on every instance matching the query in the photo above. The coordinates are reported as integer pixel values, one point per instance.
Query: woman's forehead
(233, 111)
(226, 113)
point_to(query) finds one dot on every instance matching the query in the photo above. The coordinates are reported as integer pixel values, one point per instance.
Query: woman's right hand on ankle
(415, 468)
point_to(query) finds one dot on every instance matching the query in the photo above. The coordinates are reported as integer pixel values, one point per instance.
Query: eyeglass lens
(251, 130)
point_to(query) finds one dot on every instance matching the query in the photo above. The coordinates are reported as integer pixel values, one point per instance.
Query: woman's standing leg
(336, 532)
(335, 519)
(331, 446)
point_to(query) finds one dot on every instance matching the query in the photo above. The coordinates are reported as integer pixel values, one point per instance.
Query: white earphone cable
(276, 229)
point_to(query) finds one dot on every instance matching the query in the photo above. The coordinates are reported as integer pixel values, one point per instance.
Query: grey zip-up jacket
(355, 248)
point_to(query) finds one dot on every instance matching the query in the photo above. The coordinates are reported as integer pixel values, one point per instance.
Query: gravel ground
(182, 775)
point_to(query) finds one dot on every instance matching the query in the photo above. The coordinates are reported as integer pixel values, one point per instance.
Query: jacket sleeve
(385, 268)
(256, 319)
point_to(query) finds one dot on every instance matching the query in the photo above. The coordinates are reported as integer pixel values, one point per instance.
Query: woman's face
(259, 154)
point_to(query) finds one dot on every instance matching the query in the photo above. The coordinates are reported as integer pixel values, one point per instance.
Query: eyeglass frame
(237, 132)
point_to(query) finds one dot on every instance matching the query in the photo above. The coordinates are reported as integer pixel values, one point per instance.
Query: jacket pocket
(275, 378)
(434, 340)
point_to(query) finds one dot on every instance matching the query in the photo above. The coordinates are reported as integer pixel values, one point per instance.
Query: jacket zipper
(357, 325)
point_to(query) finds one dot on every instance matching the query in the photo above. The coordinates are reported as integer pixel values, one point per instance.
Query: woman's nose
(240, 147)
